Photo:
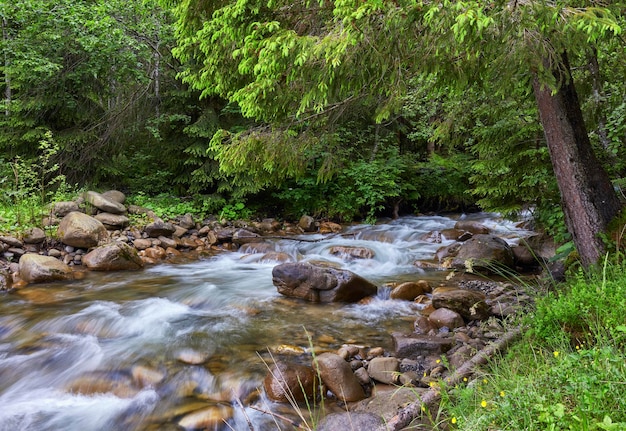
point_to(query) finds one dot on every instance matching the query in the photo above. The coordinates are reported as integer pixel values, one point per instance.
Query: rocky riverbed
(460, 312)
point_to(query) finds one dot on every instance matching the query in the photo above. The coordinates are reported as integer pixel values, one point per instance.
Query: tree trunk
(7, 76)
(588, 198)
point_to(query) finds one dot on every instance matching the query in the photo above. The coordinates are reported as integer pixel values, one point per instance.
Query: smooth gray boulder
(103, 203)
(80, 230)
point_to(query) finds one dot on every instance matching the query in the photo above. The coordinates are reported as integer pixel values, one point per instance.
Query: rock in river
(317, 283)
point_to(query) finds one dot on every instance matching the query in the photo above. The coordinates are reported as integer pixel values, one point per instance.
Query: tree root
(414, 410)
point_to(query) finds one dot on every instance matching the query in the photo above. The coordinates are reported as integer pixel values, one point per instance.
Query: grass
(568, 372)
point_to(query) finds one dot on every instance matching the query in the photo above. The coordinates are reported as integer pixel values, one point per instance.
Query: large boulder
(112, 221)
(307, 223)
(338, 377)
(483, 252)
(160, 228)
(468, 303)
(317, 283)
(34, 235)
(113, 257)
(80, 230)
(410, 290)
(35, 268)
(290, 382)
(471, 226)
(104, 203)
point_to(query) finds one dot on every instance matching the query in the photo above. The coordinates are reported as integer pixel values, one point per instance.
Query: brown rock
(352, 252)
(35, 268)
(444, 317)
(290, 382)
(330, 227)
(468, 303)
(209, 417)
(384, 370)
(410, 290)
(80, 230)
(338, 377)
(413, 345)
(113, 257)
(307, 224)
(471, 226)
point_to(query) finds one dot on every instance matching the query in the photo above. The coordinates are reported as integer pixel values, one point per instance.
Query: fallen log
(414, 410)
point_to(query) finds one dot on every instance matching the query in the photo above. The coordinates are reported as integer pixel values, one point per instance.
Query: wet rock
(444, 317)
(468, 303)
(352, 252)
(447, 251)
(5, 279)
(99, 382)
(375, 352)
(35, 268)
(471, 226)
(350, 421)
(112, 221)
(307, 224)
(385, 403)
(192, 357)
(159, 228)
(256, 247)
(243, 236)
(146, 376)
(80, 230)
(34, 235)
(330, 227)
(338, 377)
(410, 290)
(269, 225)
(414, 345)
(320, 284)
(452, 234)
(384, 370)
(104, 203)
(483, 253)
(433, 237)
(276, 256)
(113, 257)
(290, 382)
(209, 417)
(225, 234)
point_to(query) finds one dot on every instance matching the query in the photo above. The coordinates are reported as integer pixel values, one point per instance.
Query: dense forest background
(114, 94)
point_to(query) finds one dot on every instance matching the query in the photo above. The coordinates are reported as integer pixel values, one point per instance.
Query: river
(71, 354)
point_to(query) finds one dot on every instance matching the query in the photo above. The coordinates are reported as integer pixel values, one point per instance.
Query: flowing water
(71, 354)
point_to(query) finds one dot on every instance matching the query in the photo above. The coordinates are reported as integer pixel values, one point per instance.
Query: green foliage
(168, 206)
(568, 371)
(237, 211)
(35, 183)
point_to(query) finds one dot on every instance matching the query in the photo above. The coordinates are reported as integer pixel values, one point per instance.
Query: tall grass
(569, 371)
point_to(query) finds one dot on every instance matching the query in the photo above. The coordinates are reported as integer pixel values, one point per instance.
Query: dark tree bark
(588, 198)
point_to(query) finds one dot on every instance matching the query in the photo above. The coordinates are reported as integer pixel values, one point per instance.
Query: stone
(471, 226)
(209, 417)
(112, 221)
(452, 234)
(113, 257)
(146, 376)
(307, 224)
(444, 317)
(169, 242)
(61, 209)
(330, 227)
(362, 376)
(11, 241)
(159, 228)
(244, 236)
(423, 325)
(142, 243)
(350, 421)
(118, 383)
(276, 256)
(156, 253)
(115, 196)
(287, 383)
(269, 225)
(225, 234)
(410, 290)
(483, 253)
(338, 377)
(384, 370)
(256, 247)
(316, 283)
(80, 230)
(186, 221)
(34, 235)
(468, 303)
(350, 252)
(413, 345)
(385, 403)
(104, 203)
(35, 268)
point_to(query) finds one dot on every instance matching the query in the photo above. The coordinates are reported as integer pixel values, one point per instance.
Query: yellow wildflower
(483, 403)
(556, 353)
(453, 420)
(502, 393)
